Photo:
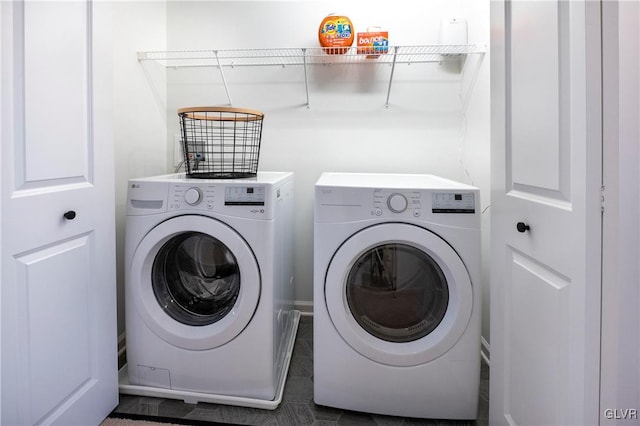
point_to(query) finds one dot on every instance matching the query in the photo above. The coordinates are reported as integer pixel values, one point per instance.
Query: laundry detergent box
(373, 43)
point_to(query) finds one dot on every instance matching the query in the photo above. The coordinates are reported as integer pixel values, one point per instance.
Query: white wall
(347, 127)
(140, 108)
(477, 151)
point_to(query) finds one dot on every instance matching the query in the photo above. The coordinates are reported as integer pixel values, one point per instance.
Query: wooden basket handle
(191, 112)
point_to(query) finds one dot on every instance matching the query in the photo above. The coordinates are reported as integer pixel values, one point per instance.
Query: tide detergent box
(373, 43)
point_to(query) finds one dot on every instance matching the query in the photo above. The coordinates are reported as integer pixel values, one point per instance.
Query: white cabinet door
(58, 294)
(546, 173)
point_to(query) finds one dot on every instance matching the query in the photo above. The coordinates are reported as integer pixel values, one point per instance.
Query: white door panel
(546, 151)
(69, 262)
(536, 301)
(534, 96)
(59, 360)
(56, 90)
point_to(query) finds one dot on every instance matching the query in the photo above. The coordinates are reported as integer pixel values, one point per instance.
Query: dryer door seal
(199, 305)
(398, 294)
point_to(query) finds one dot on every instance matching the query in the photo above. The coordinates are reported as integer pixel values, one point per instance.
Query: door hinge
(602, 198)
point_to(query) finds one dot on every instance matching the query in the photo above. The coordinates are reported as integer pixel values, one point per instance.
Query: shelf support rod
(224, 80)
(306, 79)
(393, 67)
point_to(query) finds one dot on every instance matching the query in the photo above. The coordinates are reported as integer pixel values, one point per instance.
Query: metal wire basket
(220, 142)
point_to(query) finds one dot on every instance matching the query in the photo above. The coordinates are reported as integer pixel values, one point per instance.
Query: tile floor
(297, 408)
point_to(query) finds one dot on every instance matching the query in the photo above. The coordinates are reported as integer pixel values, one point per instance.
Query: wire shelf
(306, 56)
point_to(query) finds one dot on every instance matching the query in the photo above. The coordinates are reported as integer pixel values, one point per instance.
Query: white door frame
(620, 351)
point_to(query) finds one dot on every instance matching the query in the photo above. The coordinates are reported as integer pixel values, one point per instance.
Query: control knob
(397, 202)
(193, 196)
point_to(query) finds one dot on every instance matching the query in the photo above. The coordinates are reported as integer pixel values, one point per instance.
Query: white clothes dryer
(396, 295)
(209, 288)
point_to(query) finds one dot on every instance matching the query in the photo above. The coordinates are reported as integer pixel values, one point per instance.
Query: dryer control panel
(453, 202)
(411, 203)
(425, 199)
(402, 202)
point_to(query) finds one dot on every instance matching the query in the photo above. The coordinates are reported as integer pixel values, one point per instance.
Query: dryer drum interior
(196, 278)
(397, 292)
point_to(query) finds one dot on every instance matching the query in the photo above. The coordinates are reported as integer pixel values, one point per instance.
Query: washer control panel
(453, 202)
(397, 202)
(183, 196)
(250, 195)
(209, 197)
(193, 196)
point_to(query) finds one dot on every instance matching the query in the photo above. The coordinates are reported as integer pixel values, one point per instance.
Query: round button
(193, 196)
(397, 202)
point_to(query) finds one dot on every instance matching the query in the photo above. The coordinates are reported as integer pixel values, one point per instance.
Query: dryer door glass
(397, 292)
(196, 278)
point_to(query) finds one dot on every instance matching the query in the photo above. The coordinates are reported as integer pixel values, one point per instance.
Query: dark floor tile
(301, 367)
(353, 418)
(484, 371)
(303, 348)
(438, 422)
(305, 328)
(484, 390)
(294, 414)
(298, 389)
(127, 404)
(322, 412)
(156, 407)
(420, 422)
(483, 408)
(204, 412)
(229, 414)
(387, 420)
(297, 408)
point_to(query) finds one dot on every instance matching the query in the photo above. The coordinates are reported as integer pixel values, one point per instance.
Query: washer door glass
(397, 292)
(196, 278)
(194, 282)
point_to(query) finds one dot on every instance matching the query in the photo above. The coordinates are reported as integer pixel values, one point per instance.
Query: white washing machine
(209, 288)
(396, 295)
